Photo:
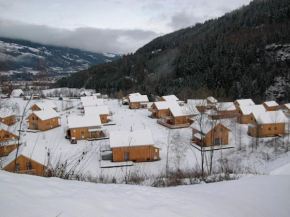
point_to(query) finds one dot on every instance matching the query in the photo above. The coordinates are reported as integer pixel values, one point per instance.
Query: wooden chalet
(136, 146)
(269, 123)
(17, 93)
(200, 104)
(244, 113)
(43, 105)
(31, 159)
(243, 102)
(85, 127)
(101, 112)
(223, 110)
(177, 116)
(138, 101)
(271, 105)
(8, 139)
(43, 120)
(285, 108)
(7, 116)
(159, 109)
(169, 98)
(209, 133)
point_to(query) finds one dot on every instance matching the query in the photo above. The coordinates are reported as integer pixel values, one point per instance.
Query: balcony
(171, 126)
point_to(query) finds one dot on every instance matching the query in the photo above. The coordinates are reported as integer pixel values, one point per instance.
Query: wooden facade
(136, 153)
(137, 105)
(244, 119)
(104, 118)
(84, 133)
(7, 136)
(8, 120)
(35, 123)
(219, 135)
(285, 108)
(5, 149)
(224, 114)
(158, 113)
(26, 165)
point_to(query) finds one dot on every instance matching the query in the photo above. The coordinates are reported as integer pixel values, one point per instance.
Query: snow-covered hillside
(29, 196)
(17, 56)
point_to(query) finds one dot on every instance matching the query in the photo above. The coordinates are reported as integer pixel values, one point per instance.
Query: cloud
(181, 20)
(86, 38)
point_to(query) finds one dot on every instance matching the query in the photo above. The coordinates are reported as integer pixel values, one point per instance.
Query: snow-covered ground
(29, 196)
(262, 160)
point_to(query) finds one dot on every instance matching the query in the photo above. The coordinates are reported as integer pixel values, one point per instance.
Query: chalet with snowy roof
(285, 108)
(31, 159)
(101, 112)
(35, 96)
(269, 123)
(211, 102)
(223, 110)
(43, 105)
(43, 120)
(91, 101)
(159, 109)
(271, 105)
(138, 101)
(200, 104)
(8, 139)
(206, 133)
(244, 113)
(85, 127)
(136, 146)
(243, 102)
(7, 116)
(177, 116)
(169, 98)
(17, 93)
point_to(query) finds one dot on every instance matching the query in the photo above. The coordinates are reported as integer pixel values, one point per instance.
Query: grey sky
(118, 26)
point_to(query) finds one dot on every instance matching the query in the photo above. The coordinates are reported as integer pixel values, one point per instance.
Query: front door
(217, 141)
(35, 126)
(126, 156)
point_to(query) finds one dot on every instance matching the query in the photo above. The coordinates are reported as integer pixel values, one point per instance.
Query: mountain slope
(19, 56)
(228, 57)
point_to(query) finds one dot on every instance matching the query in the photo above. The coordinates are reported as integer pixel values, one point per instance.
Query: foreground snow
(24, 195)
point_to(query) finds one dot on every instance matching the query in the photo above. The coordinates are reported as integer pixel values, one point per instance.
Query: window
(221, 129)
(17, 167)
(32, 118)
(269, 128)
(28, 165)
(7, 136)
(275, 128)
(214, 130)
(37, 118)
(82, 132)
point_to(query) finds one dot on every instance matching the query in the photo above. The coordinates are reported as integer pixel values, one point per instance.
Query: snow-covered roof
(127, 138)
(96, 110)
(204, 125)
(170, 98)
(6, 112)
(91, 101)
(271, 103)
(97, 94)
(225, 106)
(45, 105)
(161, 105)
(134, 94)
(83, 121)
(197, 102)
(138, 98)
(287, 105)
(211, 99)
(270, 117)
(3, 127)
(17, 93)
(245, 102)
(46, 114)
(247, 110)
(31, 150)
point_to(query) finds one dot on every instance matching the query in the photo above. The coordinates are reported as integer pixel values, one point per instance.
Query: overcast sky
(117, 26)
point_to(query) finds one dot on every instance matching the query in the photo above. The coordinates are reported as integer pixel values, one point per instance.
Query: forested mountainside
(25, 59)
(239, 55)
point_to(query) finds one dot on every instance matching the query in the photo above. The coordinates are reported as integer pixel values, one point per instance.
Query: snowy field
(31, 196)
(262, 160)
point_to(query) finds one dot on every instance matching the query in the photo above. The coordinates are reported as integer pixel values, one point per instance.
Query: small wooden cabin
(243, 102)
(136, 146)
(7, 140)
(17, 93)
(271, 105)
(43, 106)
(224, 110)
(7, 116)
(43, 120)
(85, 127)
(270, 123)
(212, 133)
(136, 102)
(101, 112)
(159, 109)
(285, 108)
(244, 113)
(31, 160)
